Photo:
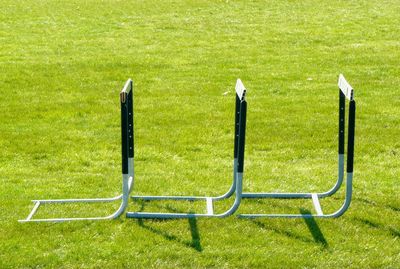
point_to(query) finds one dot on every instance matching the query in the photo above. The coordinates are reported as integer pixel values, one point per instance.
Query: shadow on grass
(312, 225)
(282, 232)
(194, 231)
(394, 232)
(314, 229)
(373, 203)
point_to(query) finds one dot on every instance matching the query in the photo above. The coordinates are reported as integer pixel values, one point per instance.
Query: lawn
(63, 63)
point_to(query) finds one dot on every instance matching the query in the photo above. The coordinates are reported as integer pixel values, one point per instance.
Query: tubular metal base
(127, 181)
(237, 184)
(294, 195)
(316, 203)
(38, 203)
(193, 198)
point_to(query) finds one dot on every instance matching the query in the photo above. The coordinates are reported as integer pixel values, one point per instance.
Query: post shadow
(314, 228)
(374, 225)
(376, 204)
(194, 232)
(281, 231)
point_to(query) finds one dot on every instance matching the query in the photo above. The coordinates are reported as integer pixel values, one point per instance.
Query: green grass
(63, 64)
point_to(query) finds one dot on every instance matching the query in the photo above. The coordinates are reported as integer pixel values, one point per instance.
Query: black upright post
(350, 139)
(237, 112)
(130, 122)
(242, 135)
(342, 105)
(124, 132)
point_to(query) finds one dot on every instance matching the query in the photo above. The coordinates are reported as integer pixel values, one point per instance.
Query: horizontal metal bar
(277, 195)
(160, 197)
(63, 219)
(152, 215)
(290, 216)
(85, 200)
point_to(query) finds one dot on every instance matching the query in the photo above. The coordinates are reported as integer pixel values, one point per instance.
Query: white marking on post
(210, 210)
(317, 206)
(127, 87)
(240, 89)
(345, 87)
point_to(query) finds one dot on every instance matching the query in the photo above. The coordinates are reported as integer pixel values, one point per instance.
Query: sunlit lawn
(62, 65)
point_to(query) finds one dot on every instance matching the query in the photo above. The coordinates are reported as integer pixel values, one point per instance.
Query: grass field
(62, 64)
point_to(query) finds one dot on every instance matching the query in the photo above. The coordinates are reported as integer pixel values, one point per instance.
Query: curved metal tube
(194, 198)
(127, 186)
(339, 182)
(295, 195)
(338, 213)
(230, 211)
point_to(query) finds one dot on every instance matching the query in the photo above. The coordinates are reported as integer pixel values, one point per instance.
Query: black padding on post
(124, 135)
(237, 112)
(342, 112)
(350, 139)
(130, 123)
(242, 135)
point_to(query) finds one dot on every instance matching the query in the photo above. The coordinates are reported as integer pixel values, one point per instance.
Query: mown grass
(63, 64)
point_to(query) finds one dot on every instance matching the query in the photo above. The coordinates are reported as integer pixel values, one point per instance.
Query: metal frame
(238, 165)
(345, 91)
(127, 148)
(126, 100)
